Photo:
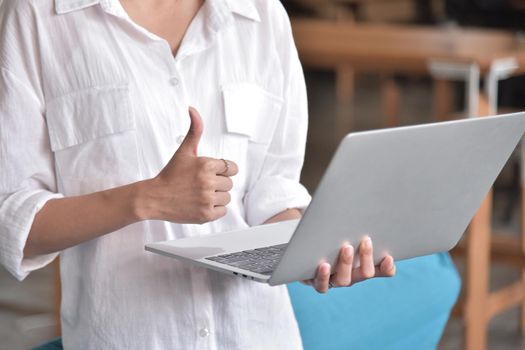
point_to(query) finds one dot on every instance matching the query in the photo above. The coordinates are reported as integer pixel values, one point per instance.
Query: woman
(94, 98)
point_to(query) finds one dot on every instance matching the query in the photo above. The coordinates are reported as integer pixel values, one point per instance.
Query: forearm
(288, 214)
(66, 222)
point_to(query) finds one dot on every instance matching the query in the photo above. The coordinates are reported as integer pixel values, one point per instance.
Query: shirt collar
(65, 6)
(244, 8)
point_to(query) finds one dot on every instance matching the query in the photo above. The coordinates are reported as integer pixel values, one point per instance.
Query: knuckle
(221, 212)
(205, 214)
(201, 161)
(368, 273)
(341, 281)
(202, 180)
(207, 198)
(204, 199)
(209, 187)
(208, 165)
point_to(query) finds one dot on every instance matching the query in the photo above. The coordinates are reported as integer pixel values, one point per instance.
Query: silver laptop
(413, 190)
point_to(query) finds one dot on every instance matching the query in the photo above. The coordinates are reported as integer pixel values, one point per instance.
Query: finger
(322, 278)
(366, 257)
(221, 198)
(193, 137)
(343, 269)
(219, 212)
(223, 184)
(387, 268)
(220, 167)
(227, 168)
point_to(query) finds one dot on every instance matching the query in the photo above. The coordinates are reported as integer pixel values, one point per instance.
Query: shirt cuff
(273, 195)
(17, 213)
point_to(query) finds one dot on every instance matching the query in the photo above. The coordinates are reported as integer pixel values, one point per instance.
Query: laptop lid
(413, 190)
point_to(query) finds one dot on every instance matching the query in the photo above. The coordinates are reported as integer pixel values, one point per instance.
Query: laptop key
(259, 260)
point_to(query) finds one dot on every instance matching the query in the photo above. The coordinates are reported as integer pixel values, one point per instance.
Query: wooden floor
(21, 328)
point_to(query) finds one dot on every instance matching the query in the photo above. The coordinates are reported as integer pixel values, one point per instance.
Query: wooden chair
(478, 305)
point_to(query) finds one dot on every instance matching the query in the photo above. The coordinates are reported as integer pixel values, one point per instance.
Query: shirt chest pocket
(251, 118)
(93, 137)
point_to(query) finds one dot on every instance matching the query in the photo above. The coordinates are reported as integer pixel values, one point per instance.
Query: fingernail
(349, 251)
(367, 242)
(325, 269)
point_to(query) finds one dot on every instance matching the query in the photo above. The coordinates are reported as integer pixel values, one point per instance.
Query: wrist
(141, 206)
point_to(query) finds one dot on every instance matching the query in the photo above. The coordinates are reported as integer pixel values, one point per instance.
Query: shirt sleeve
(27, 178)
(277, 187)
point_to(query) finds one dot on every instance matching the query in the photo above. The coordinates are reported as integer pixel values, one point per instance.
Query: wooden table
(367, 10)
(400, 48)
(446, 54)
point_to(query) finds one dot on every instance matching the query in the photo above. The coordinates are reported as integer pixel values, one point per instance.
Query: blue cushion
(55, 344)
(408, 311)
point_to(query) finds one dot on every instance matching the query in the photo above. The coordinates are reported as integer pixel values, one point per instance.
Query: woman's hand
(343, 275)
(190, 189)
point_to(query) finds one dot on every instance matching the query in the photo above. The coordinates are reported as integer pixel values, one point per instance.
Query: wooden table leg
(477, 277)
(345, 98)
(390, 95)
(478, 267)
(442, 99)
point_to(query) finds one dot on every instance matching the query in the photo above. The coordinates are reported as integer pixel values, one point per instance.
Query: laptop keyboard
(260, 260)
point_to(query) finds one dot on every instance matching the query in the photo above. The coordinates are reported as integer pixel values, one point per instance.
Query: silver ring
(227, 165)
(330, 285)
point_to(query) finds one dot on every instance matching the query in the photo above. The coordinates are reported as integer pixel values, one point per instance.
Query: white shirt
(89, 100)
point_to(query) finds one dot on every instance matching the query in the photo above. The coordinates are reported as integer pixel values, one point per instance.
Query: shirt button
(174, 81)
(204, 332)
(180, 138)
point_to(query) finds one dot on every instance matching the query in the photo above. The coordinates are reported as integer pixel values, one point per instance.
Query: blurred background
(381, 63)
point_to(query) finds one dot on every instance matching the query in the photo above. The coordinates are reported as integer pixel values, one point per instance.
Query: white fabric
(89, 101)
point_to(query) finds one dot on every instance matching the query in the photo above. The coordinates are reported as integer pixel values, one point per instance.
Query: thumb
(191, 141)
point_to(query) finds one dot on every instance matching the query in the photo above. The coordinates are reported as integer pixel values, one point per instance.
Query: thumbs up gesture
(191, 189)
